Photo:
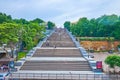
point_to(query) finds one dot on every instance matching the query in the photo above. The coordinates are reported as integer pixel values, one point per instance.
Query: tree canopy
(9, 32)
(5, 18)
(104, 26)
(37, 20)
(67, 25)
(15, 31)
(50, 25)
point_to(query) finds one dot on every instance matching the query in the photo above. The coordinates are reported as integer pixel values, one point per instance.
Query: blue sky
(59, 11)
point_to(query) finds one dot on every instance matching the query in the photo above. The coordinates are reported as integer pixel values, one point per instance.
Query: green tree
(81, 28)
(9, 35)
(104, 26)
(17, 32)
(9, 32)
(30, 33)
(50, 25)
(37, 20)
(21, 21)
(67, 25)
(116, 31)
(5, 18)
(93, 28)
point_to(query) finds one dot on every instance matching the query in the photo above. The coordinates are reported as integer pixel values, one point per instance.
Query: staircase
(58, 55)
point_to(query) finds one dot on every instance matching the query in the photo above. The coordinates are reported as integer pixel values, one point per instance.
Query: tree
(81, 27)
(14, 31)
(9, 32)
(9, 35)
(93, 28)
(5, 18)
(104, 26)
(30, 34)
(37, 20)
(21, 21)
(116, 31)
(20, 33)
(50, 25)
(67, 25)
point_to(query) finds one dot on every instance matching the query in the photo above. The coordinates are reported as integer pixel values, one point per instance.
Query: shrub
(118, 46)
(113, 60)
(21, 55)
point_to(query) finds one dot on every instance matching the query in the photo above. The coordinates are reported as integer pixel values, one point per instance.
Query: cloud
(59, 11)
(92, 9)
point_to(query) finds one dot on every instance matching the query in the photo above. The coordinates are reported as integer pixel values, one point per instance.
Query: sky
(59, 11)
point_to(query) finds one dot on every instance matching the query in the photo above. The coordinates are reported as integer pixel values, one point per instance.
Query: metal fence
(51, 76)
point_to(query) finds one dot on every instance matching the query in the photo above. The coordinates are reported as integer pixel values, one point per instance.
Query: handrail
(62, 76)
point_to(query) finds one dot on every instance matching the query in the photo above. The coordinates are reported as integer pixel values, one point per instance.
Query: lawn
(21, 55)
(95, 38)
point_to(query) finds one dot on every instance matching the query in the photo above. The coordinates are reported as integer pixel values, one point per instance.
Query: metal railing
(44, 40)
(62, 76)
(73, 39)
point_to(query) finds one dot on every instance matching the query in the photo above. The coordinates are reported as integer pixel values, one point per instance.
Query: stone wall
(100, 45)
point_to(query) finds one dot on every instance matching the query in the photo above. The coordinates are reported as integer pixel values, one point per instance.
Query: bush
(113, 60)
(21, 55)
(95, 38)
(118, 46)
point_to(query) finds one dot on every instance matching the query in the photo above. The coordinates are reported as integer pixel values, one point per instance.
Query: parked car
(3, 75)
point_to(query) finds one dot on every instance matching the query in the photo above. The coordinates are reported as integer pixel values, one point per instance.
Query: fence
(58, 76)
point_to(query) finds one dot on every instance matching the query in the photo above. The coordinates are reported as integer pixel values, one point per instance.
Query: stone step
(56, 65)
(57, 53)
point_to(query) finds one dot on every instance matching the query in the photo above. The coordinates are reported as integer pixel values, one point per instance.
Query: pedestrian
(2, 68)
(47, 43)
(54, 46)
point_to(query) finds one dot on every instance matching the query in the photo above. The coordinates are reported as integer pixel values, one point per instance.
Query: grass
(95, 38)
(21, 55)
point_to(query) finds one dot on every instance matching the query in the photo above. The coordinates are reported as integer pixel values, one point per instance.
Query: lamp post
(119, 48)
(3, 47)
(88, 53)
(16, 52)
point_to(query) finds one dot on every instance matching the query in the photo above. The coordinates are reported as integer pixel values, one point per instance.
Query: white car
(3, 75)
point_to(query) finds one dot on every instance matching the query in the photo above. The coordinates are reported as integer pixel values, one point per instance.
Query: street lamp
(3, 46)
(88, 53)
(16, 53)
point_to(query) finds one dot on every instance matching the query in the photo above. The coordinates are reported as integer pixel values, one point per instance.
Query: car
(3, 75)
(91, 56)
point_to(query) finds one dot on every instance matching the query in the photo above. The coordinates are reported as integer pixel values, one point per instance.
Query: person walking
(2, 68)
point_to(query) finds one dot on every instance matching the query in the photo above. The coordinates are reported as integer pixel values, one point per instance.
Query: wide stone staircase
(58, 55)
(59, 39)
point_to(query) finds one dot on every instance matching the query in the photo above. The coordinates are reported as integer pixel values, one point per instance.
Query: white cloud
(59, 10)
(90, 9)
